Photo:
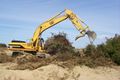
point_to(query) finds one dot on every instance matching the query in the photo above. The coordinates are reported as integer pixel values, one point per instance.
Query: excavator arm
(59, 18)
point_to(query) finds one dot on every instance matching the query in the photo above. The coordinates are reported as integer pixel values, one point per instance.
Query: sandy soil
(55, 72)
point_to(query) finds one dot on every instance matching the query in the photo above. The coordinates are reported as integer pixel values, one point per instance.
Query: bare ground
(55, 72)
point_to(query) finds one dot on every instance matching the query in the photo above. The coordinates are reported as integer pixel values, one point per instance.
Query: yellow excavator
(37, 43)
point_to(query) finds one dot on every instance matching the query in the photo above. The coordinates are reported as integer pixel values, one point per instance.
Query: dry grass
(63, 54)
(58, 43)
(4, 58)
(32, 65)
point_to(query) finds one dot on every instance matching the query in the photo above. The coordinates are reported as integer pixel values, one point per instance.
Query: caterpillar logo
(51, 22)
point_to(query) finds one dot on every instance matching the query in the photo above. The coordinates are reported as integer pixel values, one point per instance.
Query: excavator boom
(68, 14)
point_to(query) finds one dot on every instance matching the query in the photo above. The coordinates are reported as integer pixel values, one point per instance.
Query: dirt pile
(55, 72)
(4, 57)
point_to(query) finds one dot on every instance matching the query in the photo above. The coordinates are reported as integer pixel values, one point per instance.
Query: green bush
(108, 50)
(3, 45)
(112, 47)
(94, 56)
(90, 49)
(116, 57)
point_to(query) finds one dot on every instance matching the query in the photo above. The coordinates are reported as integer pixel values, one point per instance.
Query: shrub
(94, 56)
(90, 49)
(3, 45)
(58, 43)
(5, 58)
(113, 48)
(116, 57)
(109, 50)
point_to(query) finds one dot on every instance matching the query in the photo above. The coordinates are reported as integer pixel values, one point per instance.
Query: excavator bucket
(91, 35)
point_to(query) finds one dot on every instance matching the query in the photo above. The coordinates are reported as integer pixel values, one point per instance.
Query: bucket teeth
(91, 35)
(79, 36)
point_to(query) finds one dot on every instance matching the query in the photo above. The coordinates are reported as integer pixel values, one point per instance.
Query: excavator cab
(41, 43)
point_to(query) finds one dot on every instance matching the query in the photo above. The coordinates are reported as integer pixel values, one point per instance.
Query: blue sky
(20, 18)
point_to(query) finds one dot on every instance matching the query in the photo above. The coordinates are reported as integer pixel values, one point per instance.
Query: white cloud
(104, 36)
